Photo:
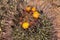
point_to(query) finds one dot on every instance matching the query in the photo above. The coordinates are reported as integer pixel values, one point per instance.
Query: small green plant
(15, 13)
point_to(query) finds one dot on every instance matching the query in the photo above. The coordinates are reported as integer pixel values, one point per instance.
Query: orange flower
(36, 14)
(33, 9)
(28, 9)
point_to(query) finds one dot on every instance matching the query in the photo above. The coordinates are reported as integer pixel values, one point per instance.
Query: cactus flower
(28, 9)
(36, 14)
(25, 25)
(33, 9)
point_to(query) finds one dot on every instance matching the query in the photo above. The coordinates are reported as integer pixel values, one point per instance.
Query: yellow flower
(33, 9)
(25, 25)
(28, 9)
(36, 14)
